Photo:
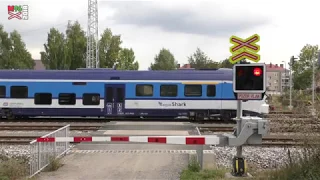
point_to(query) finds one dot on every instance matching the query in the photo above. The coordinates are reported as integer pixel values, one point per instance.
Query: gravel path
(260, 157)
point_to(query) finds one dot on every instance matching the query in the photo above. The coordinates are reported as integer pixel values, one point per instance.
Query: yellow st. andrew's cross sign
(244, 48)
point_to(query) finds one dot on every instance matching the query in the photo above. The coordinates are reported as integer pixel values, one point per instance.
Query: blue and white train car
(111, 93)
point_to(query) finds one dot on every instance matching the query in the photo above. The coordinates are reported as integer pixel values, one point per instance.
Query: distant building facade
(277, 78)
(186, 66)
(39, 65)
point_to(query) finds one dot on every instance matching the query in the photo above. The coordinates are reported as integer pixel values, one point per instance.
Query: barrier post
(200, 155)
(239, 163)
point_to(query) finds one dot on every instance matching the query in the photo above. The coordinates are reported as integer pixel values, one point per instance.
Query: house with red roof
(277, 78)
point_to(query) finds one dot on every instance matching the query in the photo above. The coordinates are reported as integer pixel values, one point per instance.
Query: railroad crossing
(249, 83)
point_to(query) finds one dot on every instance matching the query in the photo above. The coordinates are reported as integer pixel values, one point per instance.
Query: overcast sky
(181, 26)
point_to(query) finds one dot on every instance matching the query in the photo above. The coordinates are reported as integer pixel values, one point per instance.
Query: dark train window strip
(67, 98)
(211, 90)
(2, 91)
(168, 90)
(43, 98)
(91, 99)
(19, 92)
(144, 90)
(79, 83)
(193, 90)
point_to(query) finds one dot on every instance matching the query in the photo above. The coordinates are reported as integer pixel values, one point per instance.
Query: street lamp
(285, 76)
(291, 64)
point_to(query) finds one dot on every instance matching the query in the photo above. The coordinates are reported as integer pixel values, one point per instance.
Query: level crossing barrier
(55, 144)
(41, 153)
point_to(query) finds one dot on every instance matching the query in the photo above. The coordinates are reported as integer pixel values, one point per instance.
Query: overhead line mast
(92, 59)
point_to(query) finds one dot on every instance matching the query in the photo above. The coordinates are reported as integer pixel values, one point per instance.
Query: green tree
(109, 49)
(54, 56)
(13, 52)
(199, 60)
(20, 58)
(5, 49)
(76, 44)
(225, 64)
(164, 61)
(127, 60)
(302, 76)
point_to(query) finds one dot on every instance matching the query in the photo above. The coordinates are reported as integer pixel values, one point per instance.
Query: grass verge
(302, 166)
(13, 168)
(54, 164)
(194, 172)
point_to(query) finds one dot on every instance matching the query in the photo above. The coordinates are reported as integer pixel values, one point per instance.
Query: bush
(54, 164)
(304, 166)
(11, 169)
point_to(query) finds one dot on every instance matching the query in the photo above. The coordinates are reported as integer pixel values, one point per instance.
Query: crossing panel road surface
(118, 166)
(122, 160)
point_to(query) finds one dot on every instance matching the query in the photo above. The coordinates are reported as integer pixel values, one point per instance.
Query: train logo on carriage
(173, 104)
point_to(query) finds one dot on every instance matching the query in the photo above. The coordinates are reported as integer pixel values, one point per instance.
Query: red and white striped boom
(188, 140)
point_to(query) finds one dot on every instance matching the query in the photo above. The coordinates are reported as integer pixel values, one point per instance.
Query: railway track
(289, 115)
(280, 112)
(274, 127)
(286, 127)
(46, 127)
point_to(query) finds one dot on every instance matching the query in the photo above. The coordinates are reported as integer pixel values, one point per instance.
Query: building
(38, 65)
(186, 66)
(277, 78)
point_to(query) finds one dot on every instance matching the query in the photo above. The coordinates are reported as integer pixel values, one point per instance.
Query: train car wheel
(8, 113)
(226, 116)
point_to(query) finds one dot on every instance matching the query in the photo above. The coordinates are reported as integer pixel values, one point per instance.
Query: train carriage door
(114, 99)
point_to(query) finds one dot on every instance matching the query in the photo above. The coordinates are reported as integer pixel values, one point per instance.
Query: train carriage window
(91, 99)
(169, 90)
(43, 98)
(144, 90)
(19, 92)
(2, 91)
(67, 98)
(192, 90)
(211, 90)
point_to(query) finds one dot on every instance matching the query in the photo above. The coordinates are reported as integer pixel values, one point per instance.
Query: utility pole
(313, 85)
(290, 65)
(92, 59)
(285, 76)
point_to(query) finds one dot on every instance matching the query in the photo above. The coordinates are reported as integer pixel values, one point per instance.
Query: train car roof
(101, 74)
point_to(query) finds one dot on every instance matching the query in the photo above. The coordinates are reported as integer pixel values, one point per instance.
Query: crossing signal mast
(249, 83)
(92, 59)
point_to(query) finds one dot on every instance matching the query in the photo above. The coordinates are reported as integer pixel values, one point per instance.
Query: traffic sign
(244, 48)
(249, 96)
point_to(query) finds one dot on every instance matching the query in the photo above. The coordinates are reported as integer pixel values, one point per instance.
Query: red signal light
(240, 72)
(257, 71)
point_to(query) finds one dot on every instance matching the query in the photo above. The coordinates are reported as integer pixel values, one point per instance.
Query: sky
(284, 27)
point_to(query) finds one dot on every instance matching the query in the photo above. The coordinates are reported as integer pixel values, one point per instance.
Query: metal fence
(41, 153)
